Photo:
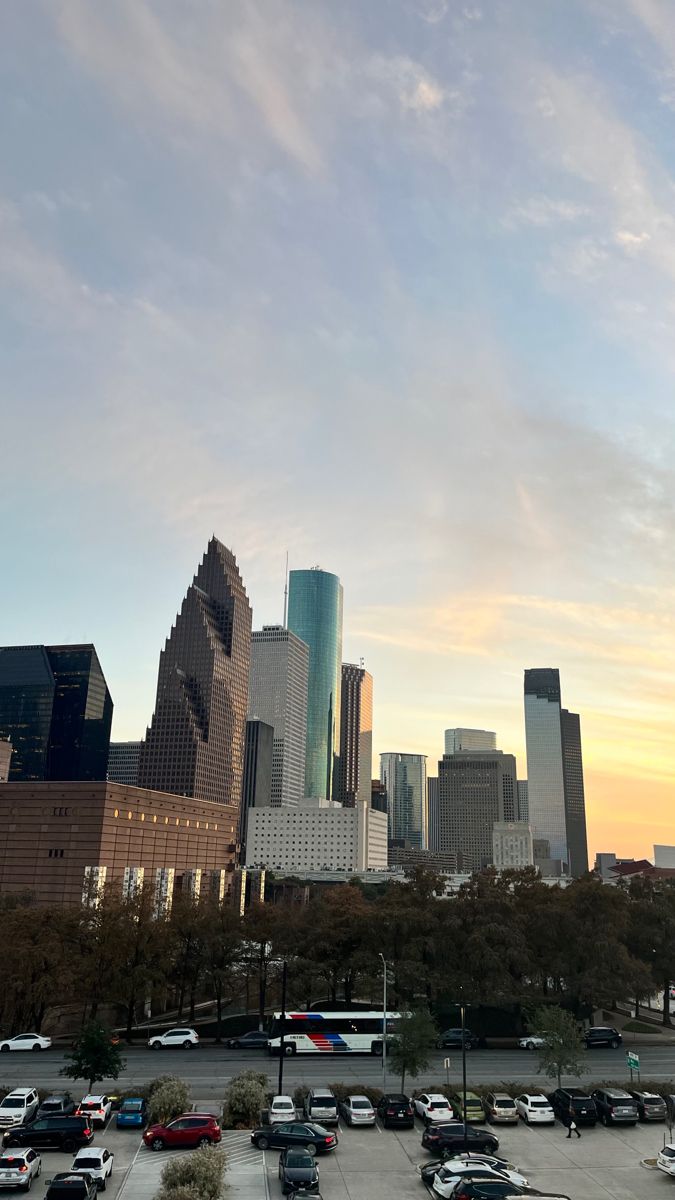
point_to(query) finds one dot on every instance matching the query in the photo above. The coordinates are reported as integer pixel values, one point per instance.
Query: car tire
(376, 1049)
(28, 1184)
(103, 1186)
(4, 1049)
(311, 1149)
(529, 1045)
(263, 1143)
(288, 1051)
(155, 1045)
(615, 1043)
(203, 1141)
(469, 1046)
(187, 1045)
(68, 1145)
(37, 1046)
(157, 1143)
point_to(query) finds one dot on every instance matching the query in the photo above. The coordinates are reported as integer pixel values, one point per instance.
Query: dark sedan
(256, 1039)
(60, 1104)
(297, 1169)
(294, 1135)
(451, 1039)
(456, 1136)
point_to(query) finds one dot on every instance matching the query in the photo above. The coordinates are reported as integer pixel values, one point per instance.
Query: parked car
(531, 1041)
(535, 1109)
(59, 1104)
(187, 1038)
(433, 1108)
(474, 1107)
(454, 1169)
(451, 1039)
(281, 1109)
(97, 1108)
(255, 1039)
(18, 1107)
(25, 1041)
(96, 1161)
(132, 1113)
(428, 1171)
(456, 1137)
(52, 1133)
(602, 1035)
(615, 1106)
(357, 1110)
(500, 1109)
(298, 1169)
(486, 1189)
(314, 1138)
(650, 1106)
(321, 1106)
(188, 1131)
(665, 1160)
(19, 1168)
(395, 1109)
(572, 1103)
(67, 1186)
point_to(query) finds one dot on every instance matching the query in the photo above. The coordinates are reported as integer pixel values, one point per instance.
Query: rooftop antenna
(286, 591)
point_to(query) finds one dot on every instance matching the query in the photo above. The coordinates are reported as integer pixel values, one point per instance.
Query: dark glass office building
(315, 615)
(56, 710)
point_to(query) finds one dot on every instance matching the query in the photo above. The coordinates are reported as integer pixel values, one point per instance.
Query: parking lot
(123, 1143)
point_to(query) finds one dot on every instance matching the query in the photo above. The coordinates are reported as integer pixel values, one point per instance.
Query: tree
(94, 1057)
(168, 1100)
(414, 1037)
(198, 1174)
(245, 1097)
(561, 1053)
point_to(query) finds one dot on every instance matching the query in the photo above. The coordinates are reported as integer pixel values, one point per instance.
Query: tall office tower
(555, 783)
(56, 710)
(5, 759)
(457, 740)
(575, 804)
(523, 802)
(315, 615)
(433, 811)
(378, 795)
(354, 768)
(405, 778)
(123, 762)
(277, 695)
(195, 744)
(475, 791)
(256, 789)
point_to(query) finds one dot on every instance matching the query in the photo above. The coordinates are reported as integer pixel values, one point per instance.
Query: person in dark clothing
(572, 1127)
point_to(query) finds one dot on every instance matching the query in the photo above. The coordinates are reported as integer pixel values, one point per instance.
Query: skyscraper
(555, 784)
(123, 762)
(355, 764)
(433, 831)
(195, 743)
(5, 759)
(277, 694)
(476, 789)
(405, 777)
(56, 710)
(257, 785)
(457, 740)
(315, 616)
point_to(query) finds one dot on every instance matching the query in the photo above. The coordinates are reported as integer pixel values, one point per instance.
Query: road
(208, 1068)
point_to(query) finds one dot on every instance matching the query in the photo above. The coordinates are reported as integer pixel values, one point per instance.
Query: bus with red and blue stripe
(347, 1032)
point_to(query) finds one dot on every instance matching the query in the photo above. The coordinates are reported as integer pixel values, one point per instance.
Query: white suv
(281, 1109)
(174, 1037)
(18, 1107)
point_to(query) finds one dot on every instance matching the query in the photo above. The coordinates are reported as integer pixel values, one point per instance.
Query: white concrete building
(512, 845)
(277, 695)
(318, 835)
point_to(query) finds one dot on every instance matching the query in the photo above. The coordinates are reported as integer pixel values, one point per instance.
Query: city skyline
(389, 286)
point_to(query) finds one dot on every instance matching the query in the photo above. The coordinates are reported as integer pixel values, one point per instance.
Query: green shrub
(168, 1100)
(199, 1174)
(342, 1090)
(245, 1097)
(300, 1094)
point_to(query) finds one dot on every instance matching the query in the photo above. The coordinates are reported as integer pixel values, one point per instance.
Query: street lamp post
(283, 1023)
(384, 1023)
(462, 1011)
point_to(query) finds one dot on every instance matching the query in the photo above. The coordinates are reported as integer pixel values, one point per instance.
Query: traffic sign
(446, 1063)
(632, 1060)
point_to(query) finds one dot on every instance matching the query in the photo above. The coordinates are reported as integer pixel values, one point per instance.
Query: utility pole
(283, 1024)
(384, 1023)
(462, 1011)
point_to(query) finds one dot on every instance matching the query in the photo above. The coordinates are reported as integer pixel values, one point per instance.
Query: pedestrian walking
(572, 1127)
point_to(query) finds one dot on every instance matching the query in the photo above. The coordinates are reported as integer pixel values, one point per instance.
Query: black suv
(66, 1186)
(573, 1104)
(451, 1039)
(52, 1133)
(451, 1136)
(61, 1104)
(396, 1109)
(614, 1105)
(602, 1035)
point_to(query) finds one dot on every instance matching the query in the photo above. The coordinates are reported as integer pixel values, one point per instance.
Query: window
(56, 854)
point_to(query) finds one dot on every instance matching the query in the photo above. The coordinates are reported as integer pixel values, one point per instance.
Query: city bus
(353, 1031)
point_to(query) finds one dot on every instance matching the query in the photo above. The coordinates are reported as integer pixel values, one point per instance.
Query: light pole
(462, 1010)
(384, 1023)
(282, 1049)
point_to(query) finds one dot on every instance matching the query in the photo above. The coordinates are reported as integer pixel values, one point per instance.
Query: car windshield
(668, 1152)
(655, 1100)
(132, 1106)
(13, 1102)
(90, 1105)
(505, 1103)
(89, 1163)
(299, 1160)
(539, 1104)
(8, 1164)
(438, 1104)
(361, 1104)
(283, 1104)
(52, 1105)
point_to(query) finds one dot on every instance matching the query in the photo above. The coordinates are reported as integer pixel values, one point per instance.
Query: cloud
(415, 89)
(545, 211)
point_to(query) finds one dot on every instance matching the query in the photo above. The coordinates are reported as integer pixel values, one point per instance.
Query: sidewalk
(245, 1177)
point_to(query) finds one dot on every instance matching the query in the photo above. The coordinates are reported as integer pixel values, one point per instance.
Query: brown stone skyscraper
(195, 744)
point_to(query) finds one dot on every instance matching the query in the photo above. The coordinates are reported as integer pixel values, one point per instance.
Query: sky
(390, 286)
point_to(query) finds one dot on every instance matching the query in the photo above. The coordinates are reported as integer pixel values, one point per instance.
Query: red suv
(192, 1129)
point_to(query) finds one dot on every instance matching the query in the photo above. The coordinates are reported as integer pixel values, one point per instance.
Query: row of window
(177, 820)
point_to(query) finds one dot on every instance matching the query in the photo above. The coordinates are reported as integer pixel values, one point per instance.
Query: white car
(666, 1159)
(18, 1107)
(448, 1176)
(433, 1108)
(96, 1161)
(533, 1041)
(97, 1108)
(174, 1037)
(19, 1168)
(25, 1041)
(535, 1109)
(357, 1110)
(281, 1109)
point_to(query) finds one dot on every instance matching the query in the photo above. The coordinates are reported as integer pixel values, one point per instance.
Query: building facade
(56, 710)
(457, 740)
(408, 857)
(433, 813)
(523, 802)
(318, 835)
(512, 845)
(194, 746)
(258, 758)
(556, 801)
(123, 762)
(405, 778)
(5, 759)
(475, 791)
(315, 616)
(355, 764)
(575, 801)
(277, 695)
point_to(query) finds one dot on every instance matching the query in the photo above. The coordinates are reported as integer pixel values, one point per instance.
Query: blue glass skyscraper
(315, 615)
